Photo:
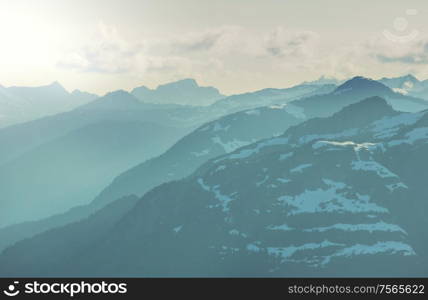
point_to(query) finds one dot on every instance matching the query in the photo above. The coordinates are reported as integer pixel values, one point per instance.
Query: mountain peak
(120, 100)
(119, 94)
(323, 80)
(183, 83)
(410, 77)
(183, 92)
(56, 86)
(360, 83)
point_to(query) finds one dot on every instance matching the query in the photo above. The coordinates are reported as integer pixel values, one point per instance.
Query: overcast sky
(235, 45)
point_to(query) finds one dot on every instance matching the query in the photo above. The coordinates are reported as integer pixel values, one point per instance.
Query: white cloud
(105, 52)
(234, 55)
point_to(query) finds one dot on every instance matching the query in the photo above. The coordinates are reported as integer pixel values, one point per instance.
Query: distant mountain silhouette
(323, 80)
(408, 85)
(184, 92)
(66, 159)
(270, 96)
(22, 104)
(72, 169)
(116, 106)
(353, 91)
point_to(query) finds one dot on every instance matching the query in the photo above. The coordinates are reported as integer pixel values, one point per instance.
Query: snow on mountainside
(210, 140)
(353, 91)
(270, 96)
(338, 196)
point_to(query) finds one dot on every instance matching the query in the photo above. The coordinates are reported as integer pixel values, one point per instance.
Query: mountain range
(320, 199)
(212, 139)
(408, 85)
(65, 160)
(22, 104)
(305, 181)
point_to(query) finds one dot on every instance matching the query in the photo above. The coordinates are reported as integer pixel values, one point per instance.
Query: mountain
(209, 140)
(270, 96)
(337, 196)
(119, 106)
(218, 137)
(65, 160)
(103, 221)
(407, 85)
(183, 92)
(324, 80)
(116, 106)
(353, 91)
(22, 104)
(70, 170)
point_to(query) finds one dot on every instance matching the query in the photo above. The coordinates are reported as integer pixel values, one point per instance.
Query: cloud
(106, 52)
(238, 57)
(282, 43)
(413, 52)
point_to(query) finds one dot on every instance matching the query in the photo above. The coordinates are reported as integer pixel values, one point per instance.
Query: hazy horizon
(235, 46)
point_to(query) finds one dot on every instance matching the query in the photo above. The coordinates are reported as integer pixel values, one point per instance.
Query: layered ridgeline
(23, 104)
(188, 92)
(231, 132)
(210, 140)
(117, 106)
(271, 96)
(354, 90)
(121, 106)
(63, 161)
(408, 85)
(338, 196)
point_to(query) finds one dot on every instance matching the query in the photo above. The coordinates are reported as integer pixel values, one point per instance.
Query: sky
(234, 45)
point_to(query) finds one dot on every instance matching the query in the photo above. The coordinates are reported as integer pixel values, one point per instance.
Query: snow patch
(245, 153)
(312, 137)
(372, 166)
(202, 153)
(253, 112)
(177, 229)
(231, 145)
(300, 168)
(394, 186)
(283, 227)
(287, 252)
(222, 198)
(329, 200)
(283, 180)
(285, 156)
(379, 226)
(391, 247)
